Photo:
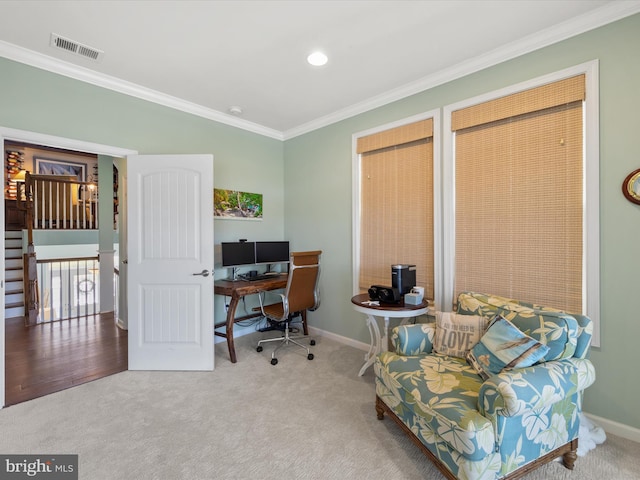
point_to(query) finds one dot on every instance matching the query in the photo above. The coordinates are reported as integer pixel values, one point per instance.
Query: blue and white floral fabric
(503, 347)
(487, 429)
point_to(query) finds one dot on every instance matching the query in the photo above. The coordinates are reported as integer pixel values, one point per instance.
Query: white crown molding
(50, 64)
(609, 13)
(594, 19)
(62, 142)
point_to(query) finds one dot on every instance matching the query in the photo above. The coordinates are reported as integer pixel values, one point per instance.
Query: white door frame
(35, 138)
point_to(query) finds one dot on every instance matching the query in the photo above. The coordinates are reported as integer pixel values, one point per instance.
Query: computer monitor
(238, 253)
(272, 252)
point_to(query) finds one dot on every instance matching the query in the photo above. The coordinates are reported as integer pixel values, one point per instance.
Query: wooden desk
(236, 290)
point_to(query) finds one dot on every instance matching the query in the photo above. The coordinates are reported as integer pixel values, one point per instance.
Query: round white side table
(361, 303)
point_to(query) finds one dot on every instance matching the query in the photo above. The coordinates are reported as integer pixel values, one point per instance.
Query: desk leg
(231, 314)
(375, 347)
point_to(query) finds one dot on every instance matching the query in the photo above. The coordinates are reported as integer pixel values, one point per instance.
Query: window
(522, 216)
(394, 216)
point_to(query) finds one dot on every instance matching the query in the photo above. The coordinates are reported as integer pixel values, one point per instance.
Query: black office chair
(301, 294)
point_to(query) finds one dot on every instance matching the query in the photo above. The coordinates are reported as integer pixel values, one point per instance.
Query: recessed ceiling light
(235, 110)
(317, 59)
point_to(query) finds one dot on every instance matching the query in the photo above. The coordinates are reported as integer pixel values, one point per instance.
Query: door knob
(204, 273)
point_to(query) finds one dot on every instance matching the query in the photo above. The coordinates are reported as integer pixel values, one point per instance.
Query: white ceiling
(205, 56)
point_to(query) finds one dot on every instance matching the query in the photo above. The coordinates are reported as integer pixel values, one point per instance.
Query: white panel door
(170, 262)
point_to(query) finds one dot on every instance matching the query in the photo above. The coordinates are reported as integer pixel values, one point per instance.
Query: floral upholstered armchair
(491, 391)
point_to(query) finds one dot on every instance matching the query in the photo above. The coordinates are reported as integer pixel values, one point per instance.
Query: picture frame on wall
(237, 205)
(49, 166)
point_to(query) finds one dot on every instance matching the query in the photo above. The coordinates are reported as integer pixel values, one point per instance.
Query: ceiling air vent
(75, 47)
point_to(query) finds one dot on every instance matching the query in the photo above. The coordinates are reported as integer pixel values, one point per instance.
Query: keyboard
(261, 276)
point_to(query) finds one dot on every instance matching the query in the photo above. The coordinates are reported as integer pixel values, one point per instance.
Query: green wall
(318, 198)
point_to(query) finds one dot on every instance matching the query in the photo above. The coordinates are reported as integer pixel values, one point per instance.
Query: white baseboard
(609, 426)
(616, 428)
(339, 338)
(240, 332)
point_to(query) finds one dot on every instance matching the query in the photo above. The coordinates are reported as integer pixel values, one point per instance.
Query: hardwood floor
(47, 358)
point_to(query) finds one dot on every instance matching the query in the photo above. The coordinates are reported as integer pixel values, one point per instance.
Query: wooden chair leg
(569, 458)
(379, 409)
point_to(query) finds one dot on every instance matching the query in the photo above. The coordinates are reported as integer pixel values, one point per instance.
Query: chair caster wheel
(274, 361)
(312, 342)
(259, 348)
(310, 356)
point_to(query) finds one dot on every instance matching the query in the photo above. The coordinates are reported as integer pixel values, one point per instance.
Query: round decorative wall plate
(631, 187)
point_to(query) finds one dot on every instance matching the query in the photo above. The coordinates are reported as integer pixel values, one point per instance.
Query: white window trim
(437, 195)
(591, 184)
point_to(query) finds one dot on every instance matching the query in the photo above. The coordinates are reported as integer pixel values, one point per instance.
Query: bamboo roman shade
(396, 218)
(396, 136)
(546, 96)
(519, 196)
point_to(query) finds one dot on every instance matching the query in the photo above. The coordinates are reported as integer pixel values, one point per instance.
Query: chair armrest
(263, 305)
(521, 390)
(413, 339)
(279, 297)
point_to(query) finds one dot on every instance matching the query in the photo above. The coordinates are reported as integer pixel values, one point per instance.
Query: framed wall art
(233, 204)
(49, 166)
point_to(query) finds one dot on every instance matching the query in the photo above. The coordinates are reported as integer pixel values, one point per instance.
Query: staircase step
(13, 243)
(14, 312)
(13, 275)
(13, 234)
(10, 298)
(13, 253)
(13, 286)
(14, 295)
(13, 263)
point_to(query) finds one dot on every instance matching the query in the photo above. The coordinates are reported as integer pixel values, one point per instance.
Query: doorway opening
(45, 358)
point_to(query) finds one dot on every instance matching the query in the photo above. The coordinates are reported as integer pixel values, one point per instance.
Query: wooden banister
(31, 290)
(52, 202)
(61, 202)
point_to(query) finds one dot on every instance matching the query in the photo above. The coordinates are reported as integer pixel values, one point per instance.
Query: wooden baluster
(31, 284)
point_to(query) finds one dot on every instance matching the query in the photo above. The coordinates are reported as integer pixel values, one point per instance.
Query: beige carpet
(300, 419)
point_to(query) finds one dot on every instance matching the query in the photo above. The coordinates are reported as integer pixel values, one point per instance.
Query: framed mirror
(631, 187)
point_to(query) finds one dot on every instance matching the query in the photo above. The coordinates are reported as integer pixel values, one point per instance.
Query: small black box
(403, 277)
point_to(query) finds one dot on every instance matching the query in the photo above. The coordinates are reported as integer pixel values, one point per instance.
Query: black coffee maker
(403, 277)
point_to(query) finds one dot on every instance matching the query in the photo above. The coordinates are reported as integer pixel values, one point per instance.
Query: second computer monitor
(272, 252)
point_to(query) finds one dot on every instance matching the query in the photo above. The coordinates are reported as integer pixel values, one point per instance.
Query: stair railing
(70, 288)
(61, 202)
(53, 202)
